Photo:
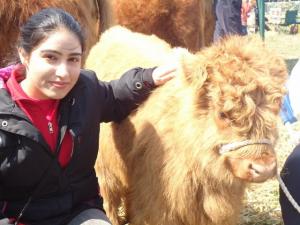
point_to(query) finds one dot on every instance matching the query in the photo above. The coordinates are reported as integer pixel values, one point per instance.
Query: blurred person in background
(228, 18)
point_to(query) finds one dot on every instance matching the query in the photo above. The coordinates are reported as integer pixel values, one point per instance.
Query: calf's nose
(261, 172)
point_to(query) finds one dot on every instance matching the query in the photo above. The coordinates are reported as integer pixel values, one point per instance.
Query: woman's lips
(58, 84)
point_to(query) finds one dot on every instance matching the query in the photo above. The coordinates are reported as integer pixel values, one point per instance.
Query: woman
(50, 112)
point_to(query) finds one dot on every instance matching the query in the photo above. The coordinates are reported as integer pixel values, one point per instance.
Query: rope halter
(238, 144)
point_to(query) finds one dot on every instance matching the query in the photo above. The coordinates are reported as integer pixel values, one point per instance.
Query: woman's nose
(62, 70)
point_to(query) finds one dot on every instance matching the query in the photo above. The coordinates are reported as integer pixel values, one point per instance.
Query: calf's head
(238, 85)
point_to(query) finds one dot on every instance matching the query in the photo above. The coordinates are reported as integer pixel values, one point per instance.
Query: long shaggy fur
(185, 23)
(14, 13)
(161, 166)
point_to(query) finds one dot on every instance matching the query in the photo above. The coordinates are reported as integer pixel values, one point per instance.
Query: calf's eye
(222, 115)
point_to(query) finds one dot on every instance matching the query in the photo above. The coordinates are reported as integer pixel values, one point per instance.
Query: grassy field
(261, 200)
(285, 44)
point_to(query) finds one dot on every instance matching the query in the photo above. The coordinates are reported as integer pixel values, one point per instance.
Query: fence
(276, 12)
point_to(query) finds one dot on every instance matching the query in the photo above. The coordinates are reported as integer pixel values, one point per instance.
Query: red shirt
(43, 115)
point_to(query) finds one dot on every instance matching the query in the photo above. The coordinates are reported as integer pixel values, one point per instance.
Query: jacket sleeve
(125, 94)
(8, 142)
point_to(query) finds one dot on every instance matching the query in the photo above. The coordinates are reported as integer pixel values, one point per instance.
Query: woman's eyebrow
(59, 53)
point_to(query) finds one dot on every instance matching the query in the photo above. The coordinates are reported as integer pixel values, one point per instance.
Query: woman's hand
(164, 73)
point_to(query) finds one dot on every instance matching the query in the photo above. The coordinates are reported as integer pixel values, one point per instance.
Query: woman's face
(52, 67)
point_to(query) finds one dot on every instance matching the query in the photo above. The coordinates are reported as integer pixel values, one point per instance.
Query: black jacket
(30, 172)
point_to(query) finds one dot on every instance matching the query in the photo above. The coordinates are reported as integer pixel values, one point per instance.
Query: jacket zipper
(73, 141)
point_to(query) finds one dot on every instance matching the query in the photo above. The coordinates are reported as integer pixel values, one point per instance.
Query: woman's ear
(24, 57)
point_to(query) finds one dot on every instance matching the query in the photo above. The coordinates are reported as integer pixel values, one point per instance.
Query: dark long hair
(42, 24)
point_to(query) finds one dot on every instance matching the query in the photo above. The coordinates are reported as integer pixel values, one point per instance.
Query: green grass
(288, 46)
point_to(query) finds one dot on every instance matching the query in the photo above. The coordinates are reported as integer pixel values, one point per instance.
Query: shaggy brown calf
(185, 23)
(171, 161)
(14, 13)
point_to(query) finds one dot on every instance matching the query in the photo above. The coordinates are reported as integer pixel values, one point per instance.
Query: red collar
(42, 113)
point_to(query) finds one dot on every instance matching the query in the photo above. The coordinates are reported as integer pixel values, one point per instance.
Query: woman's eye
(50, 57)
(74, 60)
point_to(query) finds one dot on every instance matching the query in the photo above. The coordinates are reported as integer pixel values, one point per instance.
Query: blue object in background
(286, 112)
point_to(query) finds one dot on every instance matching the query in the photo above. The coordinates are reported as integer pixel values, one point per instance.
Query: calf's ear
(193, 67)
